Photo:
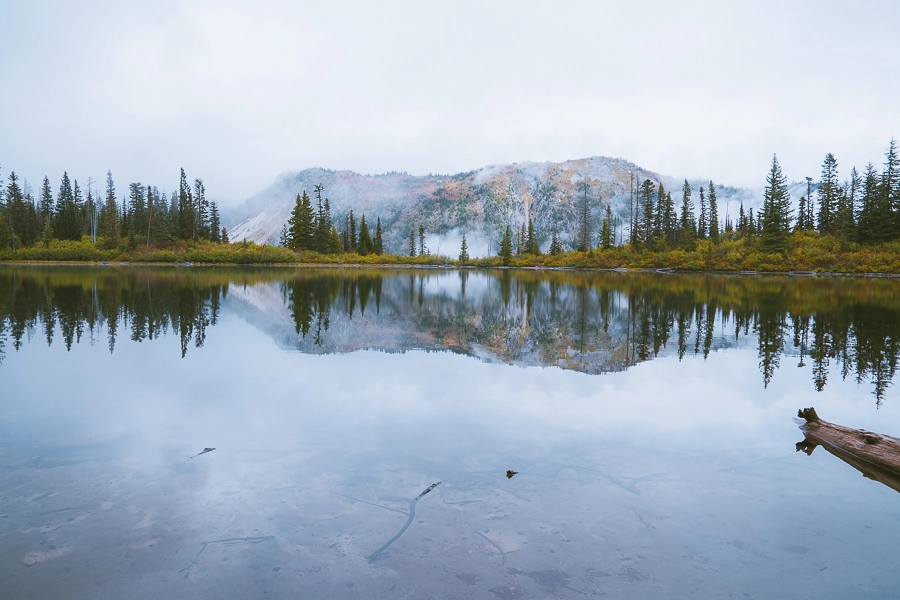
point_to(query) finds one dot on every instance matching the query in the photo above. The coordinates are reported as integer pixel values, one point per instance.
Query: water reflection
(588, 322)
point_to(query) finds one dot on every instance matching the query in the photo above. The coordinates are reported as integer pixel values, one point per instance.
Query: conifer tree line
(864, 209)
(311, 228)
(143, 215)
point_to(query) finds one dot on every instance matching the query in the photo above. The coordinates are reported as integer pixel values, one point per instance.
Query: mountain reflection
(587, 322)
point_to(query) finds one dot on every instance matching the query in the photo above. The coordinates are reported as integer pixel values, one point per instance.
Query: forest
(842, 226)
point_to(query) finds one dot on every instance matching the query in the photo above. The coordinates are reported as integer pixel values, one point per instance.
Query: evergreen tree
(67, 225)
(801, 215)
(15, 210)
(422, 251)
(645, 200)
(713, 214)
(364, 245)
(137, 208)
(464, 250)
(412, 242)
(555, 245)
(334, 242)
(687, 231)
(532, 245)
(845, 225)
(225, 236)
(109, 214)
(215, 224)
(606, 231)
(829, 194)
(301, 224)
(46, 208)
(283, 239)
(868, 206)
(889, 203)
(378, 241)
(703, 224)
(185, 209)
(323, 224)
(775, 218)
(660, 224)
(5, 237)
(201, 211)
(506, 247)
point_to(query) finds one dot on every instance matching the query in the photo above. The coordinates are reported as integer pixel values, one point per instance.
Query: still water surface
(649, 418)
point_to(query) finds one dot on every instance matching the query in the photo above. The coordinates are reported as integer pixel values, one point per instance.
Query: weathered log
(875, 455)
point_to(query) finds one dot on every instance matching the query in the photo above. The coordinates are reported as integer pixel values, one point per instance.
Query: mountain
(478, 203)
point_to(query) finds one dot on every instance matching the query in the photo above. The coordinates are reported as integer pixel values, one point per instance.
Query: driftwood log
(875, 455)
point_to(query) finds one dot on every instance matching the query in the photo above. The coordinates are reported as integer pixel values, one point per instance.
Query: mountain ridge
(479, 203)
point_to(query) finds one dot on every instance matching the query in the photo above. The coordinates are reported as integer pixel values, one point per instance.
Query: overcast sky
(239, 92)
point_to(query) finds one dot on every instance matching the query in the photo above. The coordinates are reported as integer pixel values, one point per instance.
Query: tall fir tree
(829, 193)
(379, 240)
(713, 214)
(775, 218)
(109, 216)
(868, 206)
(46, 208)
(703, 221)
(463, 250)
(215, 235)
(364, 245)
(687, 230)
(645, 201)
(506, 247)
(301, 224)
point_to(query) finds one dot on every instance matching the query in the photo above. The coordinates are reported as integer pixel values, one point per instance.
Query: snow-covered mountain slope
(479, 203)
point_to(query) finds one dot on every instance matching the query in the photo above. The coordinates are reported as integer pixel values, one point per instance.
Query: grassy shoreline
(809, 254)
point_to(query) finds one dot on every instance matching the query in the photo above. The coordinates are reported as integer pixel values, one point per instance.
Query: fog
(237, 93)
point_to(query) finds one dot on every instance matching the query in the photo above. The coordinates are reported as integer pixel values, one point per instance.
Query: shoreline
(660, 271)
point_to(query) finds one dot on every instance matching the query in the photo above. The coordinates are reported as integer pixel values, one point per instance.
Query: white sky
(238, 92)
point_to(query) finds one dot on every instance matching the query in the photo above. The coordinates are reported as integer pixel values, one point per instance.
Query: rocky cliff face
(479, 203)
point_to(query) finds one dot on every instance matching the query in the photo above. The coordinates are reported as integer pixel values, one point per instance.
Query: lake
(402, 433)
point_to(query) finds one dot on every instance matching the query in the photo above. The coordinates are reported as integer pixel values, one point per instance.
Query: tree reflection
(589, 322)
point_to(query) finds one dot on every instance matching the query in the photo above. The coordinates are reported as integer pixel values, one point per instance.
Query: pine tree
(67, 225)
(334, 242)
(868, 206)
(422, 251)
(215, 225)
(532, 245)
(645, 200)
(703, 224)
(15, 210)
(351, 244)
(301, 224)
(46, 208)
(378, 241)
(201, 211)
(829, 194)
(606, 232)
(185, 209)
(364, 245)
(687, 231)
(890, 194)
(463, 250)
(506, 247)
(659, 217)
(775, 218)
(555, 245)
(412, 242)
(845, 225)
(713, 214)
(225, 236)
